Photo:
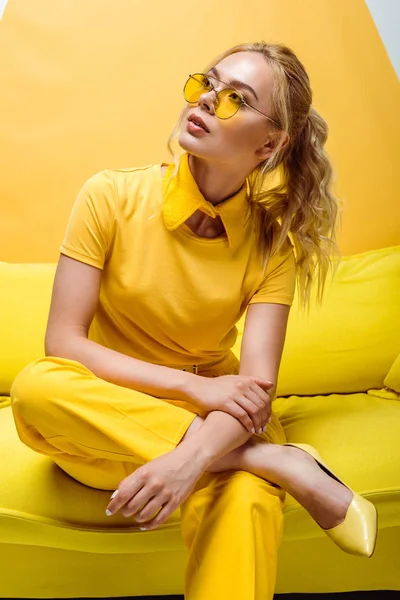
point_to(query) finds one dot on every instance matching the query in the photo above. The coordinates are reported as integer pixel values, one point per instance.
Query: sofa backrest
(351, 342)
(349, 345)
(25, 294)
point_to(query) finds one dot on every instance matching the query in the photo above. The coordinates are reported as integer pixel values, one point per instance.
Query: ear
(272, 143)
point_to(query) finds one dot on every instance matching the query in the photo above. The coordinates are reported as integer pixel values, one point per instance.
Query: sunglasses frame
(212, 88)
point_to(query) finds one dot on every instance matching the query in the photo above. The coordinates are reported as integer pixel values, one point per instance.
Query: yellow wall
(87, 85)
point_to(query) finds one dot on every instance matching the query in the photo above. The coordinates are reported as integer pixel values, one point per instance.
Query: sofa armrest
(391, 391)
(392, 379)
(5, 401)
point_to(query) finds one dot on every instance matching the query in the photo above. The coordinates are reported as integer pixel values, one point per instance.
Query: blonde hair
(301, 205)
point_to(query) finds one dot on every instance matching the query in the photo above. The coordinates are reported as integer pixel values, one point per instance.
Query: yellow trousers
(99, 433)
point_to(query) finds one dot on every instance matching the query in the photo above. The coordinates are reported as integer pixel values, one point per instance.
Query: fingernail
(108, 513)
(269, 420)
(143, 528)
(114, 494)
(253, 430)
(265, 429)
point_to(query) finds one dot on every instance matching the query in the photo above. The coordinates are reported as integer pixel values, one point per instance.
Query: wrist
(187, 386)
(196, 452)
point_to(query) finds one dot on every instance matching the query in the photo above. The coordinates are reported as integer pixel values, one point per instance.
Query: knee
(253, 504)
(36, 384)
(247, 492)
(234, 501)
(239, 494)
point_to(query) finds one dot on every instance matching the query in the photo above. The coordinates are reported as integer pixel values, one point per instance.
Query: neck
(215, 184)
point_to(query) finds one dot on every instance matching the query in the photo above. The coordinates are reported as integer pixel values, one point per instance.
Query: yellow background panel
(93, 85)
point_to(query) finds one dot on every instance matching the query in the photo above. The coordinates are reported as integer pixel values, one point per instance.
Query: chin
(184, 143)
(195, 146)
(189, 145)
(187, 141)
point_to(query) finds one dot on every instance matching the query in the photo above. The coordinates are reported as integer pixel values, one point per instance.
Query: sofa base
(315, 565)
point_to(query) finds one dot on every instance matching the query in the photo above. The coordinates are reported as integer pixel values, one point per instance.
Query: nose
(208, 100)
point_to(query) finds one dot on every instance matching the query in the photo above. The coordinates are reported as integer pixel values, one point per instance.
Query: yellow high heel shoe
(357, 533)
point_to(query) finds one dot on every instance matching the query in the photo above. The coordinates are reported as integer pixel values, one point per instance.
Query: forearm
(263, 342)
(219, 434)
(115, 367)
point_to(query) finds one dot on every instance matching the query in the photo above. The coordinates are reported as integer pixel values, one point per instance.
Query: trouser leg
(232, 526)
(96, 431)
(99, 433)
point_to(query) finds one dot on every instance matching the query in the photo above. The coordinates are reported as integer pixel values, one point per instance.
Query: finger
(269, 411)
(124, 494)
(253, 405)
(268, 395)
(138, 502)
(150, 509)
(240, 414)
(266, 403)
(265, 384)
(260, 413)
(262, 394)
(162, 516)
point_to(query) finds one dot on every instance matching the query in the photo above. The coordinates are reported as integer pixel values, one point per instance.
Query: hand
(242, 396)
(163, 482)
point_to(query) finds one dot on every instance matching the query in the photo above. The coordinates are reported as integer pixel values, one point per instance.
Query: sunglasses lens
(227, 102)
(196, 85)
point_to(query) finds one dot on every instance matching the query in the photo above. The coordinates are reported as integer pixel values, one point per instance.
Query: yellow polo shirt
(167, 295)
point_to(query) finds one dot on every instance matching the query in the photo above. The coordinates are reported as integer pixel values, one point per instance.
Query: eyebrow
(236, 83)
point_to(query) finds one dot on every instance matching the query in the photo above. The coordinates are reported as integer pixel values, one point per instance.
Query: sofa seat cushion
(41, 505)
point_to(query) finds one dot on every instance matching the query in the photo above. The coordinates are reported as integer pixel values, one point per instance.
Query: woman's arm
(262, 346)
(263, 341)
(261, 351)
(73, 305)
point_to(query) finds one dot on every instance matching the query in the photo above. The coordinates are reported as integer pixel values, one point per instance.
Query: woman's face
(235, 140)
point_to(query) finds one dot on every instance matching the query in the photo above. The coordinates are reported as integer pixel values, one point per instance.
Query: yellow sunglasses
(227, 101)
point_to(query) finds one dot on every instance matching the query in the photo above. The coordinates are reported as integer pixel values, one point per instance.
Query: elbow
(50, 345)
(53, 347)
(61, 345)
(53, 342)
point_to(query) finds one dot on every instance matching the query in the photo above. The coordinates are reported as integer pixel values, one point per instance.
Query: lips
(199, 121)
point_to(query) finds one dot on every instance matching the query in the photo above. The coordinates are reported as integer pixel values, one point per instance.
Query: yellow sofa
(339, 390)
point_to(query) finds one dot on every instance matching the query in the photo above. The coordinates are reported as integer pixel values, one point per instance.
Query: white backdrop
(386, 15)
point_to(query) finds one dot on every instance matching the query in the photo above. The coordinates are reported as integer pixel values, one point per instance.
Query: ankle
(294, 463)
(266, 460)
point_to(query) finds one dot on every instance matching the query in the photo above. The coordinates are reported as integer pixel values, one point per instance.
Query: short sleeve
(279, 282)
(91, 223)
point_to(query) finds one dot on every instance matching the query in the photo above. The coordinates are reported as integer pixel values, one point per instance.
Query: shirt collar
(183, 197)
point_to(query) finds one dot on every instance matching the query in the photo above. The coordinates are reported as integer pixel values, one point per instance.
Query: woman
(160, 262)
